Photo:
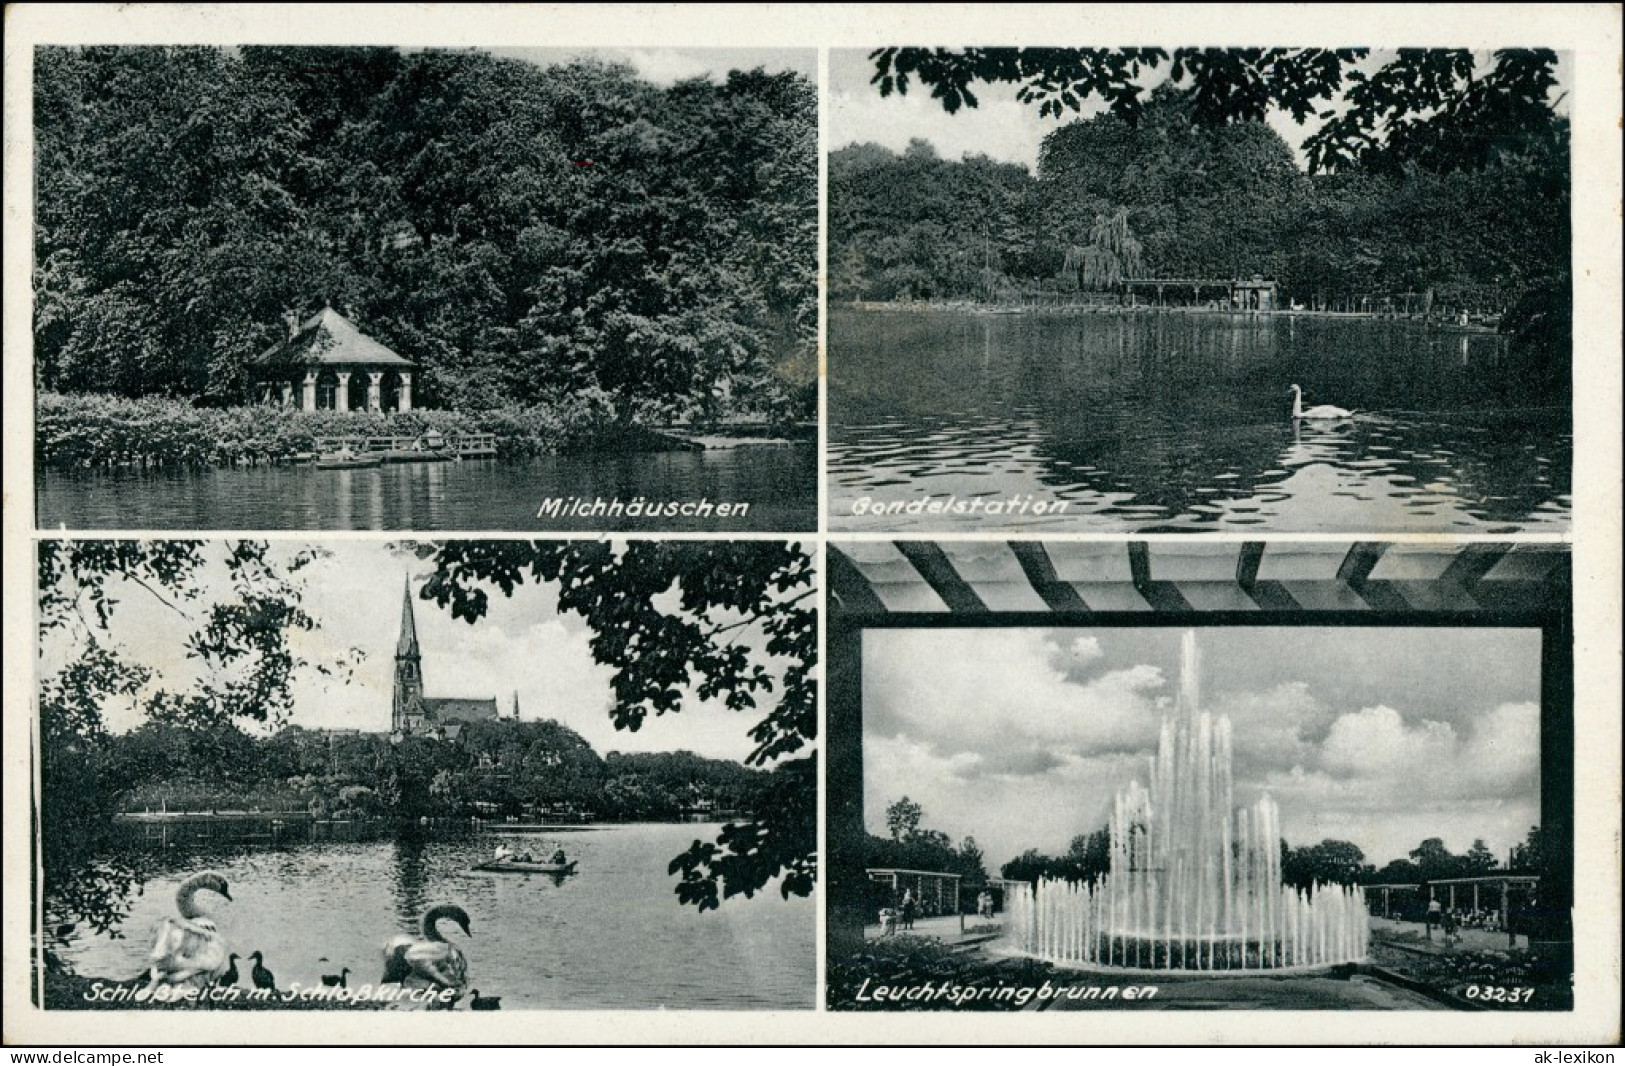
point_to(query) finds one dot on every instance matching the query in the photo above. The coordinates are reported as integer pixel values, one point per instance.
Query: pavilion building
(327, 364)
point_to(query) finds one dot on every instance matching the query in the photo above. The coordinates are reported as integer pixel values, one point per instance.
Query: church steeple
(408, 644)
(407, 705)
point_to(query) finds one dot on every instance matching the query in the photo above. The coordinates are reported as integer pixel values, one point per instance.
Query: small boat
(514, 866)
(346, 461)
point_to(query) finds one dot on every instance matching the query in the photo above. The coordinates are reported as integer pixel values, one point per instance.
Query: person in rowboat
(558, 857)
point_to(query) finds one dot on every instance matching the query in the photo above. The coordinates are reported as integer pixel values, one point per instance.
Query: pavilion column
(287, 394)
(405, 403)
(308, 397)
(375, 390)
(341, 396)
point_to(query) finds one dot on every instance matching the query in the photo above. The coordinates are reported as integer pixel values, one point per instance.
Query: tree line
(1088, 857)
(1169, 192)
(493, 769)
(524, 234)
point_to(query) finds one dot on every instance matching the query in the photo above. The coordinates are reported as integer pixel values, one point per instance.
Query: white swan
(431, 961)
(187, 952)
(1324, 410)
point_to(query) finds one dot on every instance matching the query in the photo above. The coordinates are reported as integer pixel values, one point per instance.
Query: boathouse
(1256, 293)
(327, 364)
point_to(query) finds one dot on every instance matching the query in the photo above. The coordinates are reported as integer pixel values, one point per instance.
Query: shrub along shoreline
(82, 431)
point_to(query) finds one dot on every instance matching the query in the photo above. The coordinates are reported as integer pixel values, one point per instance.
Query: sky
(1383, 737)
(523, 645)
(667, 66)
(1000, 127)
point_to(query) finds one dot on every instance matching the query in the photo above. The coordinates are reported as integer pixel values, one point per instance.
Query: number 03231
(1497, 994)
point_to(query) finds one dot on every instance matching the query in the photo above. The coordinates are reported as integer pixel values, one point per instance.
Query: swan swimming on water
(187, 952)
(1324, 410)
(429, 961)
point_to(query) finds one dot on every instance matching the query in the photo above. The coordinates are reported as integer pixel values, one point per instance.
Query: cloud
(948, 690)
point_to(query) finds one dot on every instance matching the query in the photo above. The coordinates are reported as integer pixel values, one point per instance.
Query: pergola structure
(327, 364)
(1502, 883)
(923, 584)
(933, 886)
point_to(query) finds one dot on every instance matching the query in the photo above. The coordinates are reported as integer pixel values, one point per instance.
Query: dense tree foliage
(1169, 197)
(492, 769)
(1432, 175)
(524, 234)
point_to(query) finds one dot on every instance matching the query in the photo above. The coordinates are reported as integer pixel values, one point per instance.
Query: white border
(1590, 31)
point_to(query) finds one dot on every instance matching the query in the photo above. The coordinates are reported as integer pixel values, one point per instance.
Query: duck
(229, 978)
(1324, 410)
(429, 961)
(479, 1002)
(337, 980)
(263, 978)
(188, 952)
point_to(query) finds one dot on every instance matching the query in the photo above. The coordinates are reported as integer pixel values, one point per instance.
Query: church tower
(408, 702)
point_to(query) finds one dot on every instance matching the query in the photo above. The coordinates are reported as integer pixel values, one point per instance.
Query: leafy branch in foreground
(1437, 107)
(728, 621)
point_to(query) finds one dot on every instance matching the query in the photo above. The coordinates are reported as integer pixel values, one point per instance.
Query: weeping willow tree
(1112, 254)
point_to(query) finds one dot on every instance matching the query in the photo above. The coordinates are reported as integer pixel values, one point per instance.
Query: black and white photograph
(1300, 777)
(1126, 290)
(348, 288)
(699, 525)
(478, 776)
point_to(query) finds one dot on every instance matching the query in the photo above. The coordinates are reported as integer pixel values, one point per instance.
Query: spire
(407, 647)
(516, 705)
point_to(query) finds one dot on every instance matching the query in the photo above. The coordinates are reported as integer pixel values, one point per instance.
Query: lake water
(780, 484)
(612, 935)
(1159, 421)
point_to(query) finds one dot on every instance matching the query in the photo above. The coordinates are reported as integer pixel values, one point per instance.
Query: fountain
(1195, 882)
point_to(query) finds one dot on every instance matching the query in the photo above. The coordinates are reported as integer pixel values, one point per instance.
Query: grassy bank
(75, 431)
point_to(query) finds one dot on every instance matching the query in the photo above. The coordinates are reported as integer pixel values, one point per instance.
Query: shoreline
(973, 308)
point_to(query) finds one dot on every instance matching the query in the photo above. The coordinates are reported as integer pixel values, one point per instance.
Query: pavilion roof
(327, 338)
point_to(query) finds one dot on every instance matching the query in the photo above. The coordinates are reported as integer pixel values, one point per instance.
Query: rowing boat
(346, 462)
(514, 866)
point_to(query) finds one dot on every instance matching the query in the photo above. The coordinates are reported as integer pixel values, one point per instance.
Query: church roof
(327, 338)
(455, 709)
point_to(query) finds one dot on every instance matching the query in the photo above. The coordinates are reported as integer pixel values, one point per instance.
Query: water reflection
(611, 936)
(779, 484)
(410, 882)
(1182, 422)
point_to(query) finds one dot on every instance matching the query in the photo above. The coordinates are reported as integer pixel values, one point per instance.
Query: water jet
(1194, 883)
